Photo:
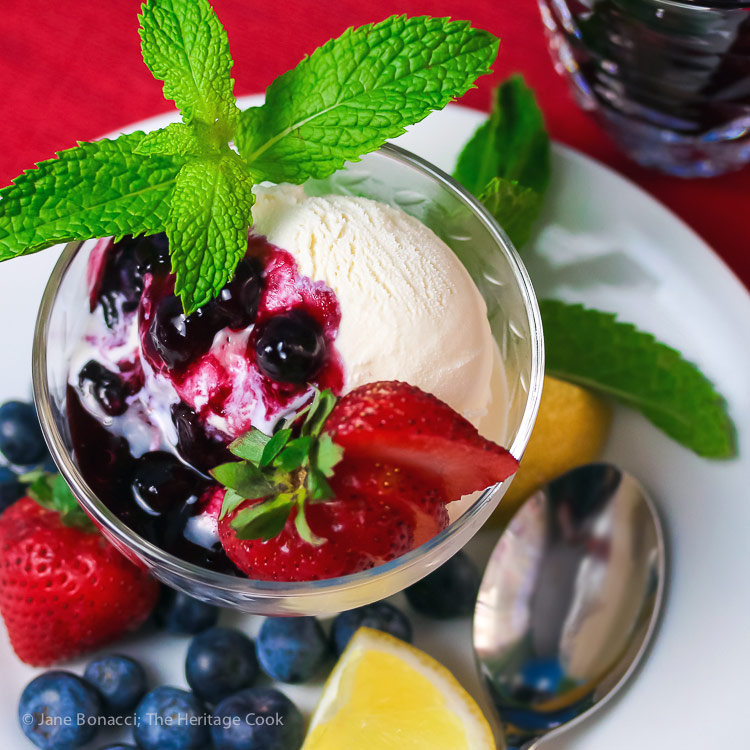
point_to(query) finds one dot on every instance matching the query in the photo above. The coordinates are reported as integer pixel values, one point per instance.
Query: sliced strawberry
(64, 590)
(396, 423)
(373, 518)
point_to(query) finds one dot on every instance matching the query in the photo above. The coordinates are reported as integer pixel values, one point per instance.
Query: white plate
(606, 243)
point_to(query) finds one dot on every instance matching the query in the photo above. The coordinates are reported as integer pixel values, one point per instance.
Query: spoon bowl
(569, 601)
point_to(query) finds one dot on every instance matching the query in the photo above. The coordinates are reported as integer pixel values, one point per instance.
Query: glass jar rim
(230, 584)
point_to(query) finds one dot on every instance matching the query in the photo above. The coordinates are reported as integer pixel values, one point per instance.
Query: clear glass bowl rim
(239, 586)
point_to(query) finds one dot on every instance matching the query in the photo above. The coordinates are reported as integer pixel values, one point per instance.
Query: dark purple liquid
(109, 468)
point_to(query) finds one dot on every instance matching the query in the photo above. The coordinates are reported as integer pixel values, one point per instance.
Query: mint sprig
(506, 163)
(285, 471)
(355, 92)
(595, 350)
(344, 100)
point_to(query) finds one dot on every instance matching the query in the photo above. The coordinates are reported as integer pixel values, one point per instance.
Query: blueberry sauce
(155, 397)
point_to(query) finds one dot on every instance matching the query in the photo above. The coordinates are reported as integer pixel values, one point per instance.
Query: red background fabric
(73, 71)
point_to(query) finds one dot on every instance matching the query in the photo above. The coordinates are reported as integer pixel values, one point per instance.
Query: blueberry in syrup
(238, 301)
(178, 338)
(109, 468)
(193, 443)
(128, 262)
(162, 483)
(290, 347)
(107, 388)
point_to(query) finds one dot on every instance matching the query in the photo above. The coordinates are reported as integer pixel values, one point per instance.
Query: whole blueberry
(120, 681)
(220, 661)
(171, 719)
(290, 347)
(449, 591)
(10, 488)
(21, 440)
(257, 719)
(59, 711)
(290, 649)
(379, 616)
(106, 387)
(181, 614)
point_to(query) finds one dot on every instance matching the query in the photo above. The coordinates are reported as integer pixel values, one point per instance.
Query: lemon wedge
(571, 429)
(384, 694)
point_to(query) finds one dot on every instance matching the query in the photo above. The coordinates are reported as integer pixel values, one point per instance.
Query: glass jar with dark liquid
(669, 80)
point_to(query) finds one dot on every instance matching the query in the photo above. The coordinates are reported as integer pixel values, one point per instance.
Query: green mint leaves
(344, 100)
(185, 46)
(512, 144)
(506, 164)
(51, 491)
(594, 350)
(94, 190)
(515, 207)
(285, 471)
(207, 226)
(356, 91)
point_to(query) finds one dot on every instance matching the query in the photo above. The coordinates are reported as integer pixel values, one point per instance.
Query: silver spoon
(569, 601)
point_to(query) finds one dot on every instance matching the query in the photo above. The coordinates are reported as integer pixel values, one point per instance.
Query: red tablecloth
(74, 71)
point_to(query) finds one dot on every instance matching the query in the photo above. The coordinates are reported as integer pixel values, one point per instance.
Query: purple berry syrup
(154, 396)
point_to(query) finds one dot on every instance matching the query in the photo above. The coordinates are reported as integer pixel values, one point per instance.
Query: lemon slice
(571, 429)
(384, 694)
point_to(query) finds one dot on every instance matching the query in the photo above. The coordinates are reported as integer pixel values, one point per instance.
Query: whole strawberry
(64, 590)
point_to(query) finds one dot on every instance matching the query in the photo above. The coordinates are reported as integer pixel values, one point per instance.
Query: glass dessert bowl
(394, 178)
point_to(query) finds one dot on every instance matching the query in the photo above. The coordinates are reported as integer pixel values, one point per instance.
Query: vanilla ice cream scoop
(409, 309)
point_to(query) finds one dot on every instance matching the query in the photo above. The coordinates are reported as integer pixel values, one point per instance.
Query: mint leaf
(355, 92)
(512, 144)
(250, 445)
(594, 350)
(185, 46)
(176, 139)
(207, 226)
(515, 208)
(94, 190)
